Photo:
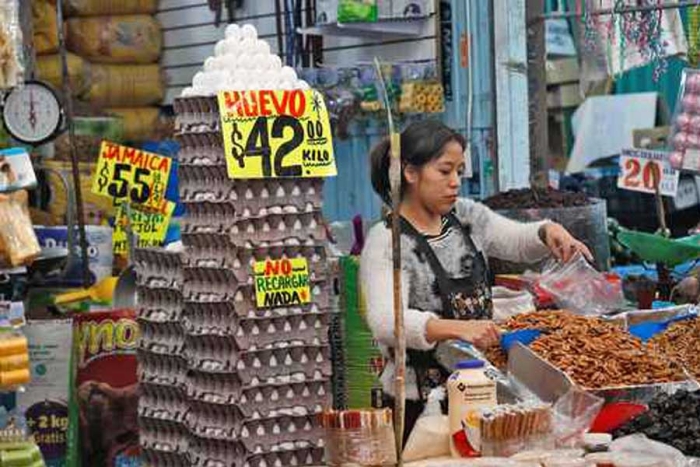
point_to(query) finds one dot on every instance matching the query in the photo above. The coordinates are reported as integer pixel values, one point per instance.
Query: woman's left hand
(561, 243)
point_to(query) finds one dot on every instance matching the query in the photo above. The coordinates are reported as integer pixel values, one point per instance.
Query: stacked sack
(113, 62)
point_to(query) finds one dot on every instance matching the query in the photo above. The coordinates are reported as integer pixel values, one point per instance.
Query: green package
(356, 11)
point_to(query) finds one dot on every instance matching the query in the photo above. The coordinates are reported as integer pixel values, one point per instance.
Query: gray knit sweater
(493, 235)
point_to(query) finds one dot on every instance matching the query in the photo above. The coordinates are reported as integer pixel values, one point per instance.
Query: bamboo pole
(399, 329)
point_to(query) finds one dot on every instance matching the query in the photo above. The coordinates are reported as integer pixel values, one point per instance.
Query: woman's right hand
(481, 333)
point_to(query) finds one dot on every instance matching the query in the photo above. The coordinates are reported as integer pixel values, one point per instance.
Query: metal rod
(75, 166)
(618, 11)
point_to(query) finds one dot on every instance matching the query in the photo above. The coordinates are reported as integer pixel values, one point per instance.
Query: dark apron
(464, 298)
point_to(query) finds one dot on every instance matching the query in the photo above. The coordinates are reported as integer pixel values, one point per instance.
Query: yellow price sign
(270, 134)
(148, 226)
(282, 282)
(132, 175)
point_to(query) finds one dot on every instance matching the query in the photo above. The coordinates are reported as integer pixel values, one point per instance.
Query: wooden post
(540, 162)
(399, 329)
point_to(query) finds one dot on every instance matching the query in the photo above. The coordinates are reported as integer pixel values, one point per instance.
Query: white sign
(640, 170)
(558, 39)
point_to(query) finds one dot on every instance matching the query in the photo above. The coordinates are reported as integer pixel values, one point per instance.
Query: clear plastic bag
(11, 51)
(430, 437)
(638, 450)
(574, 414)
(18, 242)
(578, 287)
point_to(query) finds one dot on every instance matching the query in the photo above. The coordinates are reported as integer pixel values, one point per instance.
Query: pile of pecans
(680, 343)
(594, 353)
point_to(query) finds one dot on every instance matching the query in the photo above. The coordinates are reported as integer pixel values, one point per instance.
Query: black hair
(421, 142)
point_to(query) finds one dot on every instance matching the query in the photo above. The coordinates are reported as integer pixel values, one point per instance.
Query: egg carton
(206, 285)
(308, 375)
(210, 319)
(149, 257)
(246, 307)
(162, 369)
(162, 338)
(162, 402)
(216, 453)
(208, 217)
(214, 421)
(315, 256)
(261, 436)
(214, 388)
(285, 399)
(261, 332)
(200, 183)
(211, 354)
(196, 114)
(153, 458)
(200, 149)
(252, 198)
(278, 228)
(154, 276)
(287, 457)
(214, 251)
(159, 305)
(258, 367)
(163, 435)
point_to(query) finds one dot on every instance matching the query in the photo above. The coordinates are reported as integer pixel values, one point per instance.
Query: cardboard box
(563, 70)
(565, 96)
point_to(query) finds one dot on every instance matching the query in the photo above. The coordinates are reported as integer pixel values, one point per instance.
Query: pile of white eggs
(241, 61)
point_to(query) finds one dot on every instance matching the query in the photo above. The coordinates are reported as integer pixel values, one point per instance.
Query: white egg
(248, 31)
(258, 62)
(288, 74)
(235, 85)
(232, 47)
(220, 47)
(275, 63)
(262, 47)
(187, 92)
(199, 79)
(301, 84)
(209, 64)
(233, 31)
(247, 45)
(267, 84)
(245, 61)
(230, 62)
(285, 84)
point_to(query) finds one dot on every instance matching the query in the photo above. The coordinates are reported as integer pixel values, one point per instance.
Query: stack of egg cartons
(257, 378)
(162, 367)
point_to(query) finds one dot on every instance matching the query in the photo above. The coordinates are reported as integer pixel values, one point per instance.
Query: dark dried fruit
(672, 419)
(537, 198)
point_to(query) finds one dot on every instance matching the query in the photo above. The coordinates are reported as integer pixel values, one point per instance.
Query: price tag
(149, 227)
(282, 282)
(133, 175)
(269, 134)
(640, 168)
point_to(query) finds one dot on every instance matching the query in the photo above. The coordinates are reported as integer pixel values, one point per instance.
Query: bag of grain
(139, 123)
(110, 7)
(48, 68)
(125, 85)
(44, 27)
(116, 39)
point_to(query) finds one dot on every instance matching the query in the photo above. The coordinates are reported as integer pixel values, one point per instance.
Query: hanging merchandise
(626, 40)
(694, 36)
(115, 39)
(11, 48)
(684, 139)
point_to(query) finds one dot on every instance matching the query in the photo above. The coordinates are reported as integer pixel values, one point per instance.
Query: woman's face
(436, 184)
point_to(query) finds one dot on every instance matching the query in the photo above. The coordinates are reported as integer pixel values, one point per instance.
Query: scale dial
(32, 113)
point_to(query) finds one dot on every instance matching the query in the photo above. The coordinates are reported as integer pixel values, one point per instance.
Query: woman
(445, 241)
